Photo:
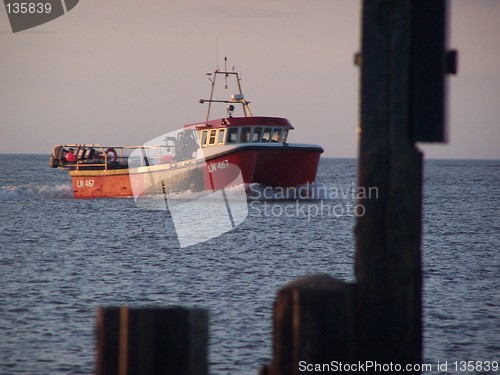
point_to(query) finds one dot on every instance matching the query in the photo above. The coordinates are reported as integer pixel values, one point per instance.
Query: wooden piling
(387, 259)
(312, 324)
(133, 341)
(379, 318)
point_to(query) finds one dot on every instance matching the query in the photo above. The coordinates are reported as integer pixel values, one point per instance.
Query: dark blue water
(61, 258)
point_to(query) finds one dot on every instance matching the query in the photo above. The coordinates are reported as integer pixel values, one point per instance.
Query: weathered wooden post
(387, 260)
(379, 318)
(403, 67)
(133, 341)
(312, 324)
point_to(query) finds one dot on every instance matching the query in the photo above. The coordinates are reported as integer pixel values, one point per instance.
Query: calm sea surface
(61, 258)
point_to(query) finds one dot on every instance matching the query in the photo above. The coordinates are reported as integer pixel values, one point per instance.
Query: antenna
(225, 69)
(217, 53)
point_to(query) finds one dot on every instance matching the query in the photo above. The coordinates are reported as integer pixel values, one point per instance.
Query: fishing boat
(207, 155)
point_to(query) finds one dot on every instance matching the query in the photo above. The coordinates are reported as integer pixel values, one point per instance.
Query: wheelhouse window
(284, 134)
(245, 135)
(266, 135)
(232, 135)
(220, 138)
(276, 135)
(257, 132)
(212, 136)
(204, 137)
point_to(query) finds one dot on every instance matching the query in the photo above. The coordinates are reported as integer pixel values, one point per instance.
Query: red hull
(101, 185)
(271, 166)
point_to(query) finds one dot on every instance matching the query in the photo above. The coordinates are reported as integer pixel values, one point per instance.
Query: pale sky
(121, 72)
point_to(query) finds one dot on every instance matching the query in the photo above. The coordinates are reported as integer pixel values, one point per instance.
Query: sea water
(61, 258)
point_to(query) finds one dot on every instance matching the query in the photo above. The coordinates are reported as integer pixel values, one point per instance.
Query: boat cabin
(241, 130)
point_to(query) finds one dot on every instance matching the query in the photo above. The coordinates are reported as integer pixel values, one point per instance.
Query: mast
(236, 98)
